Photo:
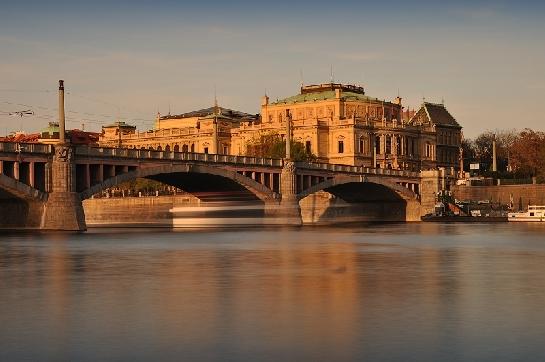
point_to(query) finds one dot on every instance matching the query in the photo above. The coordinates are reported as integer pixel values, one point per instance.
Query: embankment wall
(524, 194)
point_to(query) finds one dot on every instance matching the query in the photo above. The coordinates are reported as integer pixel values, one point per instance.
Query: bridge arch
(358, 199)
(329, 184)
(163, 172)
(20, 189)
(20, 205)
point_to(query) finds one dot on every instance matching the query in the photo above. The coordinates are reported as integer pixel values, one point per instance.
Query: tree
(271, 145)
(527, 153)
(483, 148)
(468, 152)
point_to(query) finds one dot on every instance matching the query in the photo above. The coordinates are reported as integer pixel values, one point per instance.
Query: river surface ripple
(405, 292)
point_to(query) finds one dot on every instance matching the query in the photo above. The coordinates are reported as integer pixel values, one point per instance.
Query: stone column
(63, 209)
(16, 170)
(288, 210)
(374, 144)
(47, 177)
(494, 165)
(31, 176)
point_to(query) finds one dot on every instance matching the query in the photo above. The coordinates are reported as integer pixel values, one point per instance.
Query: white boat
(221, 214)
(534, 213)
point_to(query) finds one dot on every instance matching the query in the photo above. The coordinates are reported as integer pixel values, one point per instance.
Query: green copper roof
(319, 96)
(53, 127)
(121, 124)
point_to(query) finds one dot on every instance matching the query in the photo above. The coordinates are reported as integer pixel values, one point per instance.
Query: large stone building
(337, 123)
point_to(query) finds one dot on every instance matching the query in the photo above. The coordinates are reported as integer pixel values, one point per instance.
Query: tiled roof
(434, 113)
(21, 138)
(439, 115)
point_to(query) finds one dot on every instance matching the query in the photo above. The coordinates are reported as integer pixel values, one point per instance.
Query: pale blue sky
(486, 59)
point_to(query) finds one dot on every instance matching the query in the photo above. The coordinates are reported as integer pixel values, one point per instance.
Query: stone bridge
(43, 186)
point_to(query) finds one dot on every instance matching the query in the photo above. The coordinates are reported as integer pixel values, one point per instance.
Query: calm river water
(420, 292)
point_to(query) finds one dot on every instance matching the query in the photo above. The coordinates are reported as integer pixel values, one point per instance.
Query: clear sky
(484, 58)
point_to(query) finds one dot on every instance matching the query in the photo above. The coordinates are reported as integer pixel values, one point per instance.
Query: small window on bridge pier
(341, 146)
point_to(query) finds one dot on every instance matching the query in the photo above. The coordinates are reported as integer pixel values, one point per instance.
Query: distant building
(338, 123)
(50, 135)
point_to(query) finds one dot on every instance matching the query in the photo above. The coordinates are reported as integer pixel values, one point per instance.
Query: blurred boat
(219, 214)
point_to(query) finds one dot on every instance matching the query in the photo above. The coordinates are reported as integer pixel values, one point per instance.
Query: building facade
(337, 123)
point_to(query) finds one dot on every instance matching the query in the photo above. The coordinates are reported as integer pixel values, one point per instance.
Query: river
(396, 292)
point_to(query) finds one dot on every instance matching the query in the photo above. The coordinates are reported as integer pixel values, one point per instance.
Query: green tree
(271, 145)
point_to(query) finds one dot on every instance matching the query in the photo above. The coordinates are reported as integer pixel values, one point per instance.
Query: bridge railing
(356, 169)
(240, 160)
(15, 147)
(180, 156)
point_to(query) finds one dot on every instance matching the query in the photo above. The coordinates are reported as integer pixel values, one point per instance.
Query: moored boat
(534, 213)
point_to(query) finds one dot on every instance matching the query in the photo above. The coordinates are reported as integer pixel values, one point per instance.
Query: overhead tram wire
(83, 114)
(71, 93)
(99, 118)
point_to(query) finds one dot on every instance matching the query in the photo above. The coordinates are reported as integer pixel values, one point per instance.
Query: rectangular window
(225, 150)
(206, 150)
(308, 147)
(341, 146)
(362, 145)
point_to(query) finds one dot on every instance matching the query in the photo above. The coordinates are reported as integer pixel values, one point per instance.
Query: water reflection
(401, 292)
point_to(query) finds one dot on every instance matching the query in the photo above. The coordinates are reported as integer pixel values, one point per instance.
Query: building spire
(331, 74)
(216, 108)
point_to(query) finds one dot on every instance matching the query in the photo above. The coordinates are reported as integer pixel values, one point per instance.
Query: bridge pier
(63, 209)
(288, 210)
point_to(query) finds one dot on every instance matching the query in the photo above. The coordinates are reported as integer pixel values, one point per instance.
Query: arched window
(176, 148)
(150, 148)
(159, 148)
(167, 148)
(185, 148)
(192, 147)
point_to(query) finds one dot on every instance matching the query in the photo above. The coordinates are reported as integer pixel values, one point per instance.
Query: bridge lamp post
(288, 135)
(62, 120)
